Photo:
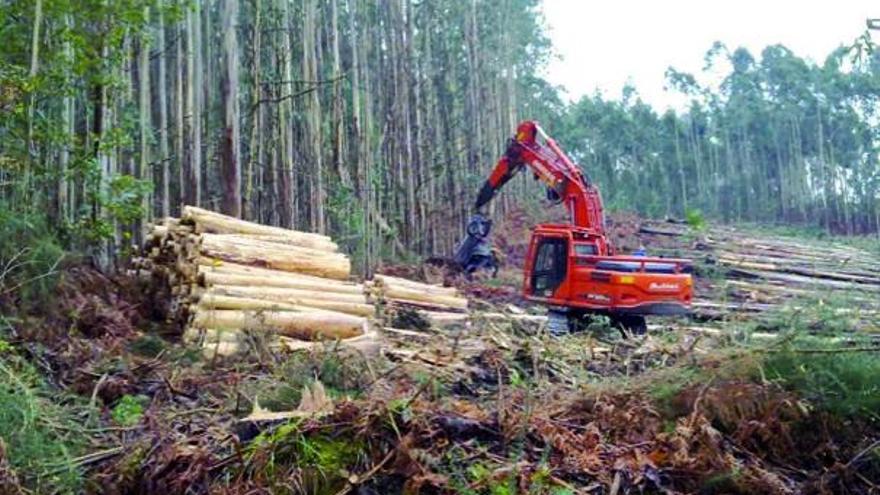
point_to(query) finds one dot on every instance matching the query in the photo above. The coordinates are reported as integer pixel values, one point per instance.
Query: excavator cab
(550, 267)
(567, 270)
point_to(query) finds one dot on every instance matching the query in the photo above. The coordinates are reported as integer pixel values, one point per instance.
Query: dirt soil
(492, 407)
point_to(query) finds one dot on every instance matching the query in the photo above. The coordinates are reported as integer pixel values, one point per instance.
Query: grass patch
(842, 382)
(319, 462)
(342, 372)
(42, 435)
(147, 345)
(129, 410)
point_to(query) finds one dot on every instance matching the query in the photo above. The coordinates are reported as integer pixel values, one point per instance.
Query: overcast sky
(605, 43)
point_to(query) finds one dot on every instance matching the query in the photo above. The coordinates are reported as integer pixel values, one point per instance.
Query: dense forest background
(376, 122)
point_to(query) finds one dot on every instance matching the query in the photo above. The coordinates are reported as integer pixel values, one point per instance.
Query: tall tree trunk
(287, 199)
(338, 102)
(164, 159)
(68, 123)
(34, 68)
(255, 158)
(144, 115)
(313, 115)
(230, 155)
(207, 100)
(193, 99)
(181, 118)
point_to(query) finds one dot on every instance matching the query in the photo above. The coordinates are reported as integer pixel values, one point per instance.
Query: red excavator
(573, 268)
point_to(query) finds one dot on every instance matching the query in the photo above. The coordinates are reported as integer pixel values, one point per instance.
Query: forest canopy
(376, 122)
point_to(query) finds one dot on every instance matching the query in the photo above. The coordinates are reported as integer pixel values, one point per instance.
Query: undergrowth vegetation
(840, 380)
(39, 429)
(30, 256)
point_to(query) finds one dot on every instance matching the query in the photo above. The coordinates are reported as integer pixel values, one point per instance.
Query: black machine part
(474, 244)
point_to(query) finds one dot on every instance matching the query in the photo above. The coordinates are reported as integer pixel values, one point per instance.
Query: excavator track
(557, 322)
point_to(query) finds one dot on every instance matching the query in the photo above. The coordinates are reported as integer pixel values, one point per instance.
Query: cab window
(550, 265)
(585, 250)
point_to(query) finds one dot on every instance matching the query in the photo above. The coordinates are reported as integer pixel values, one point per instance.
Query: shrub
(29, 257)
(695, 219)
(36, 430)
(838, 381)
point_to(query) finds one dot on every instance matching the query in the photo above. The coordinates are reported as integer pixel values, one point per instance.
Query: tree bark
(313, 115)
(164, 158)
(230, 154)
(144, 171)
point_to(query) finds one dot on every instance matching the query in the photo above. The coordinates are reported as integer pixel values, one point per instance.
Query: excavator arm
(565, 182)
(531, 148)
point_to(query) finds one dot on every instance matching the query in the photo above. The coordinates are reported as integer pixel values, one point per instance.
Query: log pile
(440, 306)
(762, 273)
(227, 278)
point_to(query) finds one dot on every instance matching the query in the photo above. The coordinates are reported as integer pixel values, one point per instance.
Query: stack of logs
(228, 277)
(440, 306)
(758, 273)
(227, 280)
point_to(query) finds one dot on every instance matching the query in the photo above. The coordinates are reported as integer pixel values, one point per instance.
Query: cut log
(211, 335)
(536, 319)
(369, 343)
(750, 307)
(392, 304)
(209, 221)
(748, 264)
(442, 319)
(230, 242)
(229, 300)
(275, 257)
(206, 264)
(284, 294)
(282, 279)
(800, 279)
(644, 229)
(322, 325)
(389, 281)
(224, 349)
(807, 272)
(402, 293)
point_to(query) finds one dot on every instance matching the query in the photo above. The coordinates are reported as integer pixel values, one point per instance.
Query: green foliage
(342, 374)
(724, 155)
(841, 382)
(147, 345)
(695, 219)
(119, 198)
(29, 257)
(347, 216)
(327, 454)
(483, 476)
(129, 410)
(433, 386)
(321, 459)
(35, 426)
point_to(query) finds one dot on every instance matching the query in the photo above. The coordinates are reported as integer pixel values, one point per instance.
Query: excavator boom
(565, 182)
